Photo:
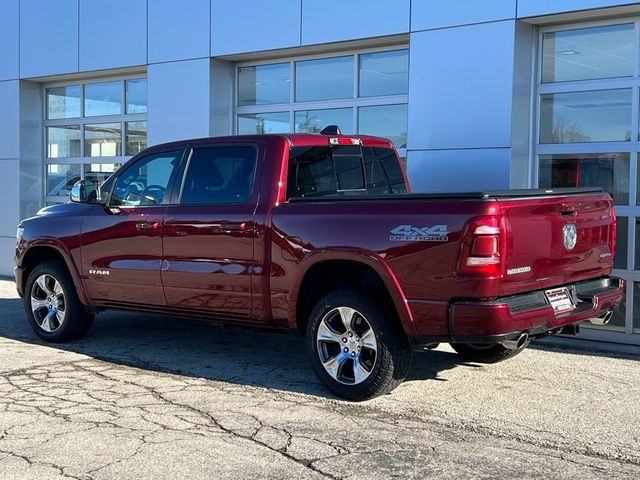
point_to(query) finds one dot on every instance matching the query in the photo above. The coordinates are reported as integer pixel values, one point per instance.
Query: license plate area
(560, 300)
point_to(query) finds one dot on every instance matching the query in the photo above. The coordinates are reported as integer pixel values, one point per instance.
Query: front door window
(146, 182)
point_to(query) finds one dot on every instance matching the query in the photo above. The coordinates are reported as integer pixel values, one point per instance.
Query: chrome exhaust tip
(602, 319)
(517, 343)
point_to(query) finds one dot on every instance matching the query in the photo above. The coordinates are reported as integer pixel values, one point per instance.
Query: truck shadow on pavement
(202, 350)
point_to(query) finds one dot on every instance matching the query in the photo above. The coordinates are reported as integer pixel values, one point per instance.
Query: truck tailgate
(540, 240)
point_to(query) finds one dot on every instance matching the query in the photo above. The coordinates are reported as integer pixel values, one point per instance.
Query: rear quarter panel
(423, 270)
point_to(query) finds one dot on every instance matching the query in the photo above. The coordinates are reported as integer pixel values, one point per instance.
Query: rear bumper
(506, 318)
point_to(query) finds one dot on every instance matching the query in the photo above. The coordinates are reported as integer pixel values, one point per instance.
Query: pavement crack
(31, 462)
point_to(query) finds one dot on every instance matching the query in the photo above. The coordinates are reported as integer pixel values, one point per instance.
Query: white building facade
(475, 95)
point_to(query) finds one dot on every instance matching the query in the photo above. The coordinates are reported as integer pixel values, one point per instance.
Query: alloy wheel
(346, 345)
(48, 303)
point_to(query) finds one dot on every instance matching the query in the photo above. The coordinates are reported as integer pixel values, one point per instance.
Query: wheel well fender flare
(370, 259)
(63, 252)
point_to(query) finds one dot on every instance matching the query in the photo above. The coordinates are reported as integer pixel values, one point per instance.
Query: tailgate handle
(568, 213)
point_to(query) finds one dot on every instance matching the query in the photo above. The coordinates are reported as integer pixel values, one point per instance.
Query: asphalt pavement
(147, 396)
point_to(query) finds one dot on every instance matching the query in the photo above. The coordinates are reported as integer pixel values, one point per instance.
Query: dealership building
(475, 95)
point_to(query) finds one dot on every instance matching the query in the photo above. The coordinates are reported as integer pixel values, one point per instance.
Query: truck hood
(69, 208)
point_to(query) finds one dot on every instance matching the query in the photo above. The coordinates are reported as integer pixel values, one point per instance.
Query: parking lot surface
(159, 397)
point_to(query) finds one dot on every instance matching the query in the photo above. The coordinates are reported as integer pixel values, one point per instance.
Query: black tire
(487, 353)
(76, 321)
(386, 363)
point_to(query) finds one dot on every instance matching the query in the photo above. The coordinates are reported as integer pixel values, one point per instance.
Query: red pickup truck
(319, 233)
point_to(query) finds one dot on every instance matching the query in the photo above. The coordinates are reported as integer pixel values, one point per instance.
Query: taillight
(482, 248)
(614, 232)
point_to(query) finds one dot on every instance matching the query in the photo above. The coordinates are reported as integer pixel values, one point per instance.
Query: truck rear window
(343, 170)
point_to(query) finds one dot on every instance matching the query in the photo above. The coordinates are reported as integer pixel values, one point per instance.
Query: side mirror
(83, 191)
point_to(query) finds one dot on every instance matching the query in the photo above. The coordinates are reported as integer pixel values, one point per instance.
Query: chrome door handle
(233, 227)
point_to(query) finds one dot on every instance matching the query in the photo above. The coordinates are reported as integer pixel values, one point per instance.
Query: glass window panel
(264, 84)
(136, 94)
(347, 160)
(588, 53)
(622, 243)
(146, 181)
(607, 170)
(99, 172)
(63, 102)
(63, 141)
(636, 307)
(60, 179)
(311, 173)
(382, 171)
(596, 116)
(264, 123)
(324, 79)
(136, 140)
(638, 184)
(102, 140)
(384, 73)
(313, 121)
(219, 176)
(103, 99)
(388, 121)
(637, 250)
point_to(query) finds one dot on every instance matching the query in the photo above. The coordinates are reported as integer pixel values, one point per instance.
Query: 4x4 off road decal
(409, 233)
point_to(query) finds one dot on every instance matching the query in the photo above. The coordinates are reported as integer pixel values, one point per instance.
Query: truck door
(209, 232)
(122, 241)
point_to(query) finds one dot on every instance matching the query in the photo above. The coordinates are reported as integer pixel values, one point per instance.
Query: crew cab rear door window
(221, 175)
(145, 183)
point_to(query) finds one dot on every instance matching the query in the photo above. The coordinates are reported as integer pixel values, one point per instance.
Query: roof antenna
(331, 130)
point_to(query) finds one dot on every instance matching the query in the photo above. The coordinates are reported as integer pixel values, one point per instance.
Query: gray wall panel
(10, 119)
(178, 30)
(336, 20)
(9, 39)
(31, 148)
(9, 198)
(460, 87)
(523, 86)
(254, 25)
(113, 33)
(427, 14)
(48, 37)
(222, 78)
(179, 100)
(532, 8)
(458, 170)
(7, 247)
